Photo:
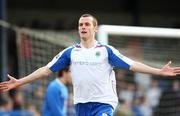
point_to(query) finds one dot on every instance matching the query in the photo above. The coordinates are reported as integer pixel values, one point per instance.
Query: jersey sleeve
(117, 60)
(61, 60)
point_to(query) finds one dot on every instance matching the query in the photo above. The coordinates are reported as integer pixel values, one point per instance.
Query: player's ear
(96, 29)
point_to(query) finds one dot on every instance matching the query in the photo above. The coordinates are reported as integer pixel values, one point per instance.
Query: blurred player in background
(6, 104)
(57, 94)
(91, 65)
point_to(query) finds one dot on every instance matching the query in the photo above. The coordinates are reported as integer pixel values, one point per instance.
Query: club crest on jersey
(98, 53)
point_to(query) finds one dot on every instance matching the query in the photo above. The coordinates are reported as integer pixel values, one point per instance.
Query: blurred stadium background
(33, 32)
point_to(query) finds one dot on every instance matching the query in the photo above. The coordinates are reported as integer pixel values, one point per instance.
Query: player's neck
(89, 43)
(62, 80)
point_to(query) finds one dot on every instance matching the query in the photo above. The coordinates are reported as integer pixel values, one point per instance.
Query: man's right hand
(8, 85)
(13, 82)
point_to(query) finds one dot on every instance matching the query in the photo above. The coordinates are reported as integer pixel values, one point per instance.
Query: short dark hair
(60, 73)
(95, 22)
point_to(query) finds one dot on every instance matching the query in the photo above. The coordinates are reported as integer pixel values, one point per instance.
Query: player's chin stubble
(84, 38)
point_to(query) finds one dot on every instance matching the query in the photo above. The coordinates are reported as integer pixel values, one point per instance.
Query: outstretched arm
(13, 82)
(59, 62)
(119, 61)
(166, 70)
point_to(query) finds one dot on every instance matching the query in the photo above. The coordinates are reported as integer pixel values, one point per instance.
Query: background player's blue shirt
(55, 99)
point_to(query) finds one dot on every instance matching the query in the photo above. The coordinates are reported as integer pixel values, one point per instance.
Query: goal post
(105, 30)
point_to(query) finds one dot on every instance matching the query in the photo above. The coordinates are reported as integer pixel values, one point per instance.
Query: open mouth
(83, 32)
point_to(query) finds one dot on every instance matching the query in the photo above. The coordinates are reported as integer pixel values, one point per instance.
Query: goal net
(142, 94)
(35, 49)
